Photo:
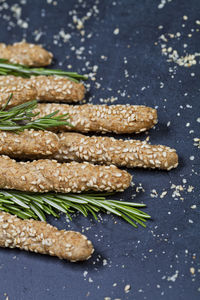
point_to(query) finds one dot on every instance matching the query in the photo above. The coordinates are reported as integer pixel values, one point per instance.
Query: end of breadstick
(81, 248)
(29, 54)
(146, 118)
(171, 160)
(40, 237)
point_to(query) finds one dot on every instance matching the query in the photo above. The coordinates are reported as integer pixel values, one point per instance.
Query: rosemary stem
(34, 205)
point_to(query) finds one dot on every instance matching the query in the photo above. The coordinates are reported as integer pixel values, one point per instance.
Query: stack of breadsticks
(63, 160)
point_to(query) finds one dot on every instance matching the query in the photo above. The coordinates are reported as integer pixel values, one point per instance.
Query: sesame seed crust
(44, 88)
(26, 54)
(71, 146)
(57, 89)
(28, 144)
(49, 175)
(103, 118)
(107, 150)
(40, 237)
(20, 88)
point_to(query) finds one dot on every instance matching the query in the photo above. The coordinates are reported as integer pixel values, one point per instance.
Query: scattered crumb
(173, 277)
(108, 100)
(163, 194)
(197, 142)
(116, 31)
(192, 270)
(163, 3)
(193, 206)
(127, 288)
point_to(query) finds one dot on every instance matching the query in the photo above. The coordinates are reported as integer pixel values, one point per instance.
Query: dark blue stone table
(161, 261)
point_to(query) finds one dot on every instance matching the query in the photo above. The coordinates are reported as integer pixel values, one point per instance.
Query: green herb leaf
(34, 205)
(6, 68)
(21, 117)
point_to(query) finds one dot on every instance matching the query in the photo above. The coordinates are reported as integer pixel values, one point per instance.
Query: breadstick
(40, 237)
(20, 88)
(68, 146)
(107, 150)
(57, 89)
(26, 54)
(45, 88)
(103, 118)
(28, 144)
(49, 175)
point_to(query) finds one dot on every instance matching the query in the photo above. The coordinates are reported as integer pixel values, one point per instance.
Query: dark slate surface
(155, 261)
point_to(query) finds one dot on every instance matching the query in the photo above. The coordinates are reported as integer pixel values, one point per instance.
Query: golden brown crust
(57, 89)
(20, 88)
(28, 144)
(49, 175)
(106, 150)
(71, 146)
(104, 118)
(44, 88)
(40, 237)
(26, 54)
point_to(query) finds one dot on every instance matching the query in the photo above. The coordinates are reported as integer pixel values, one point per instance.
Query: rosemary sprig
(6, 68)
(20, 117)
(33, 205)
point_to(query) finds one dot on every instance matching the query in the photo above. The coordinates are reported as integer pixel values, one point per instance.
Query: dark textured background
(144, 258)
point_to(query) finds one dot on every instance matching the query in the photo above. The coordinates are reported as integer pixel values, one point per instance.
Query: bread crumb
(116, 31)
(127, 288)
(192, 270)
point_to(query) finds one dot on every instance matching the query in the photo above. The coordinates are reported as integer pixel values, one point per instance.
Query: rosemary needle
(33, 205)
(21, 117)
(6, 68)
